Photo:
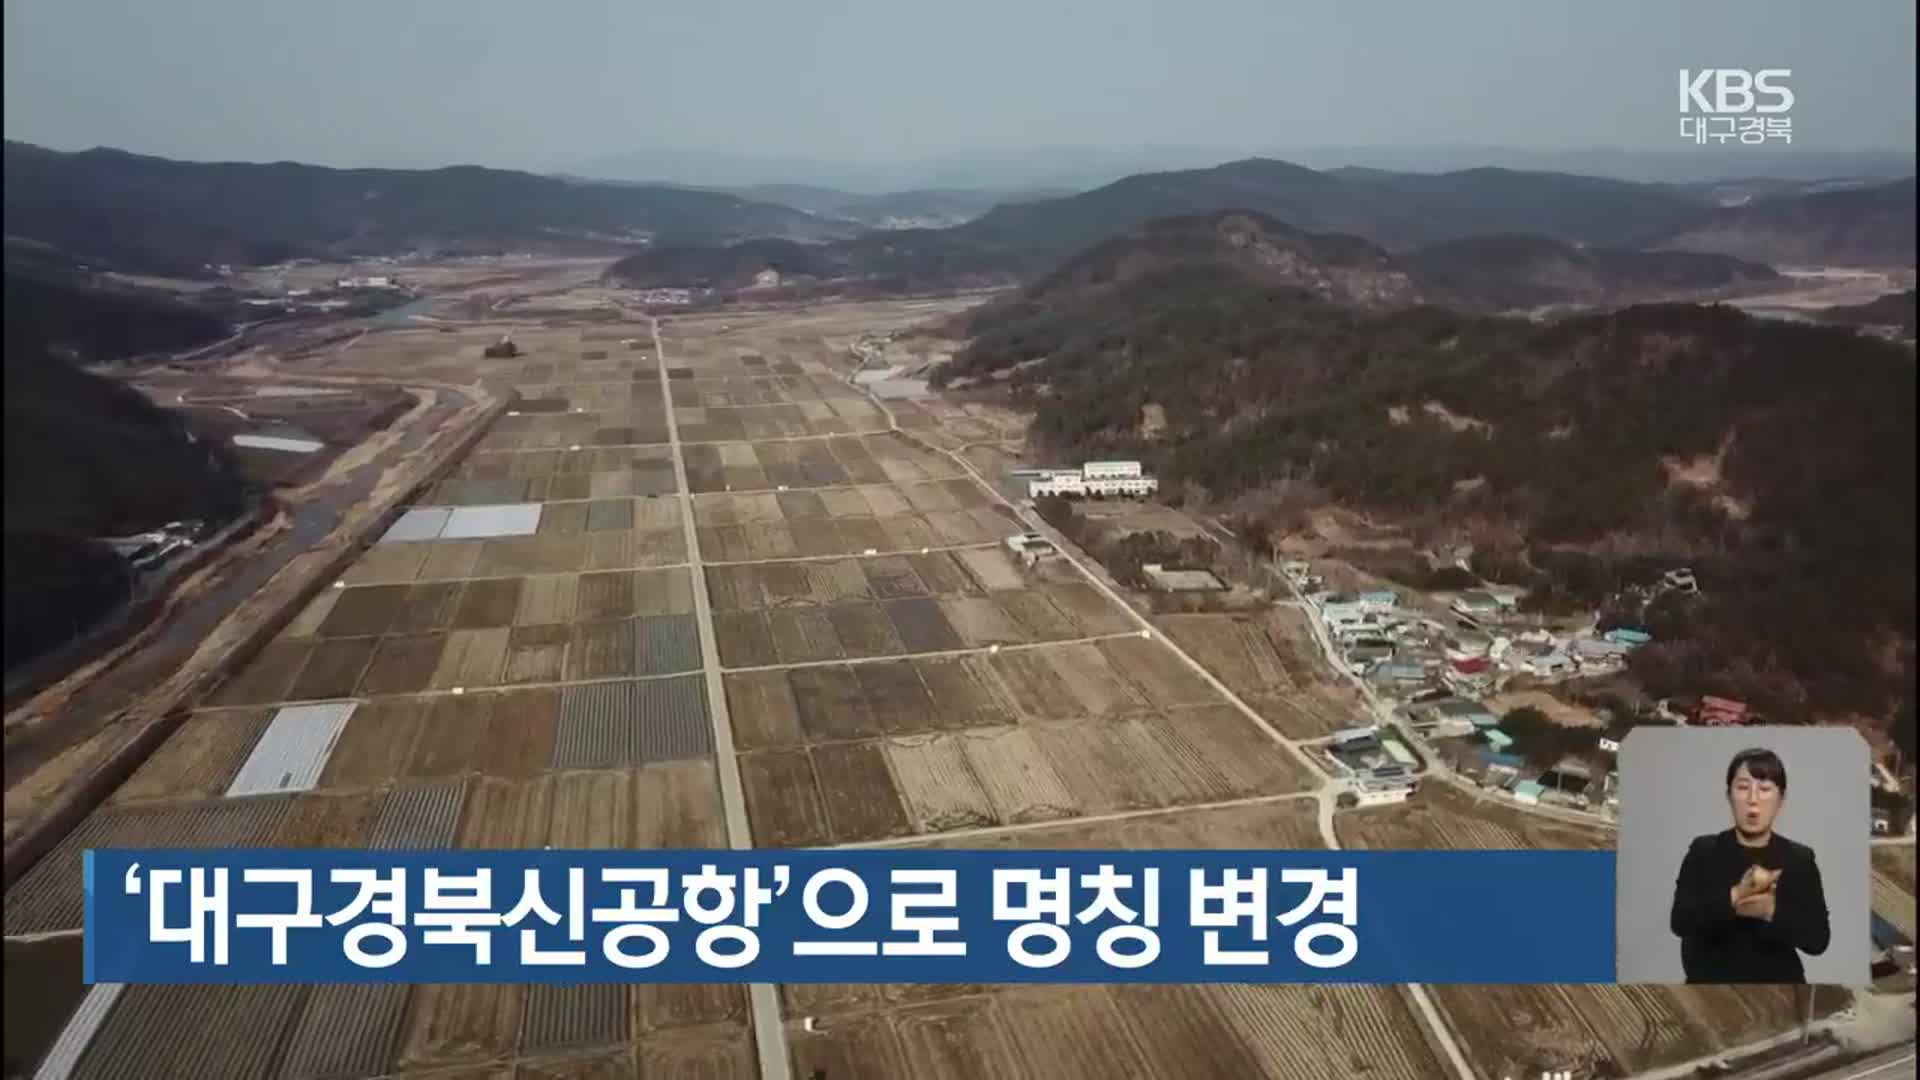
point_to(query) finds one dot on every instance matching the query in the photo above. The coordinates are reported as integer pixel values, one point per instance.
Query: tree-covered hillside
(1777, 458)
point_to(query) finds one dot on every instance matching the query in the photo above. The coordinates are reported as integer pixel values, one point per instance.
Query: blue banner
(259, 915)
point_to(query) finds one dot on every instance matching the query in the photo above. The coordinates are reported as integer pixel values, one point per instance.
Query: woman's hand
(1757, 906)
(1753, 895)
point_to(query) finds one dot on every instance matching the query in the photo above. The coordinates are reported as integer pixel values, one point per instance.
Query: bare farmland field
(200, 759)
(1234, 647)
(1156, 672)
(1082, 740)
(1521, 1030)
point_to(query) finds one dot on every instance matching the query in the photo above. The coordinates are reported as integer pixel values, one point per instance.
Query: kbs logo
(1719, 103)
(1734, 90)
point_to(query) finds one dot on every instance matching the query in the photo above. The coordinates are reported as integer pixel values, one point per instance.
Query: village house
(1394, 672)
(1379, 601)
(1541, 658)
(1484, 604)
(1473, 676)
(1030, 547)
(1599, 654)
(1339, 609)
(1466, 644)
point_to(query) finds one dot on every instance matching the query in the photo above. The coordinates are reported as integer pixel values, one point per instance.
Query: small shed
(1498, 739)
(1360, 745)
(1398, 751)
(1398, 671)
(1600, 649)
(1528, 792)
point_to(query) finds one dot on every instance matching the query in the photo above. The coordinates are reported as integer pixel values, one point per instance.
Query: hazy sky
(544, 85)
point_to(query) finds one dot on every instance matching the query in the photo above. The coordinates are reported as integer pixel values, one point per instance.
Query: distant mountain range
(150, 214)
(155, 215)
(1080, 168)
(929, 208)
(1036, 168)
(1399, 212)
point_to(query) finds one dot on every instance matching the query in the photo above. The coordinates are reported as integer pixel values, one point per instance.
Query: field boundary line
(465, 691)
(792, 489)
(780, 438)
(972, 650)
(1057, 823)
(972, 546)
(510, 577)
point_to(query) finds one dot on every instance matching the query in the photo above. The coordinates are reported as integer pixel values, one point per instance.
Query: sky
(549, 86)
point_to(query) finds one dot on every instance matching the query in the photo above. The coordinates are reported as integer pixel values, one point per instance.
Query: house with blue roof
(1528, 792)
(1379, 600)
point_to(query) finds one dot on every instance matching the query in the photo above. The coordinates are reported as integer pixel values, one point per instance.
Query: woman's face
(1755, 802)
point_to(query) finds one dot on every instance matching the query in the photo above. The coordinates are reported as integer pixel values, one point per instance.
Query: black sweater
(1718, 946)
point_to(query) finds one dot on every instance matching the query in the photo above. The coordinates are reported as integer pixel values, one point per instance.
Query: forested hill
(88, 456)
(1330, 266)
(90, 323)
(1506, 273)
(155, 215)
(1692, 432)
(1240, 247)
(1397, 211)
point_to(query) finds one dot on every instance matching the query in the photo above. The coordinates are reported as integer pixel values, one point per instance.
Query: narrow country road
(769, 1029)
